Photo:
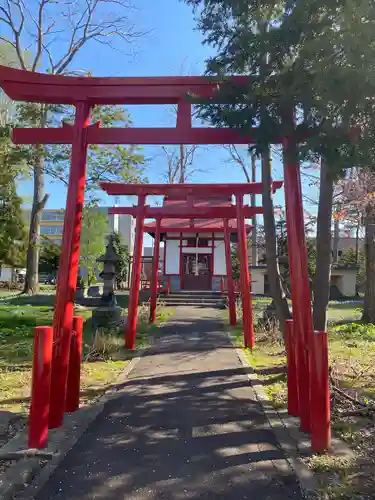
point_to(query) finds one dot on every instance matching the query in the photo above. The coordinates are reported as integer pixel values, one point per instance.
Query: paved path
(187, 426)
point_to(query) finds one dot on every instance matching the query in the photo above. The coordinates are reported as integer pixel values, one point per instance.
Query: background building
(51, 228)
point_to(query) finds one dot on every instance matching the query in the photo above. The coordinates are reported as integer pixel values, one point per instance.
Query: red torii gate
(142, 212)
(86, 92)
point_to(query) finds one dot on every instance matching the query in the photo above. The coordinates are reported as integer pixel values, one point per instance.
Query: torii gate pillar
(155, 272)
(68, 270)
(300, 286)
(244, 276)
(136, 277)
(230, 284)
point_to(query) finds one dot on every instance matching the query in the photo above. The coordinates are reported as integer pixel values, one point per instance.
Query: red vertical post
(136, 277)
(230, 284)
(245, 276)
(40, 391)
(292, 369)
(298, 266)
(164, 255)
(320, 397)
(69, 262)
(155, 272)
(181, 266)
(74, 372)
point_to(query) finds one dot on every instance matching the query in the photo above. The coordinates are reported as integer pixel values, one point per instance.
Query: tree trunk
(182, 164)
(277, 291)
(39, 201)
(369, 304)
(254, 247)
(322, 278)
(336, 236)
(357, 243)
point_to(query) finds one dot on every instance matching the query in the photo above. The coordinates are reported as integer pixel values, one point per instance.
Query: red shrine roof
(199, 226)
(195, 225)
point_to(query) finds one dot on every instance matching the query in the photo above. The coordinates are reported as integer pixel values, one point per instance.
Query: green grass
(352, 362)
(268, 359)
(343, 313)
(17, 324)
(351, 352)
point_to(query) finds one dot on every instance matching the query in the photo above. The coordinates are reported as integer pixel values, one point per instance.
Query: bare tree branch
(86, 20)
(17, 31)
(237, 158)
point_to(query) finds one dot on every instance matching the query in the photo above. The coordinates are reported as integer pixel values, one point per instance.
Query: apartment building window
(52, 216)
(51, 230)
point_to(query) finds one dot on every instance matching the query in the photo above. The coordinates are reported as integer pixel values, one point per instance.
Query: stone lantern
(108, 313)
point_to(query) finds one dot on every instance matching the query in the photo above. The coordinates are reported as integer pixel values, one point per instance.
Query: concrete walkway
(186, 426)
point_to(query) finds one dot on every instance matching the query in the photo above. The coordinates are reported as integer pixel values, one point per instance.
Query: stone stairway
(194, 298)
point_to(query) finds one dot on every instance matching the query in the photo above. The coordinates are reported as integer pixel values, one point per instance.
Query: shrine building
(194, 249)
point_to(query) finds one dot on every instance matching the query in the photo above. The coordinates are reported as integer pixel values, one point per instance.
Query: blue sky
(171, 46)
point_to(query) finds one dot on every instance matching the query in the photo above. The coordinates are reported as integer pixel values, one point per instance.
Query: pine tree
(314, 60)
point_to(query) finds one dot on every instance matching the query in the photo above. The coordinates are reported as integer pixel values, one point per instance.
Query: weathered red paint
(320, 396)
(40, 390)
(292, 369)
(74, 372)
(230, 285)
(155, 273)
(69, 262)
(300, 286)
(136, 279)
(244, 277)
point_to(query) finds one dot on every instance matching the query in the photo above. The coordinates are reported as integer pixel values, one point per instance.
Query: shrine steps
(194, 299)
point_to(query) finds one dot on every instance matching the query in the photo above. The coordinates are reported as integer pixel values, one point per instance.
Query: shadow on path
(186, 426)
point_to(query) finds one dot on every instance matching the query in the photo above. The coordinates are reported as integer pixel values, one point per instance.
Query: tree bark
(254, 246)
(336, 237)
(357, 243)
(322, 278)
(39, 201)
(277, 291)
(369, 303)
(182, 164)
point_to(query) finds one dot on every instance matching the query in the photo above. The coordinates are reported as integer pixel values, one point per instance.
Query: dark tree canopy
(314, 58)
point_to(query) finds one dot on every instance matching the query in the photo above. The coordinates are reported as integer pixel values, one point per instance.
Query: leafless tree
(249, 171)
(47, 35)
(180, 163)
(270, 239)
